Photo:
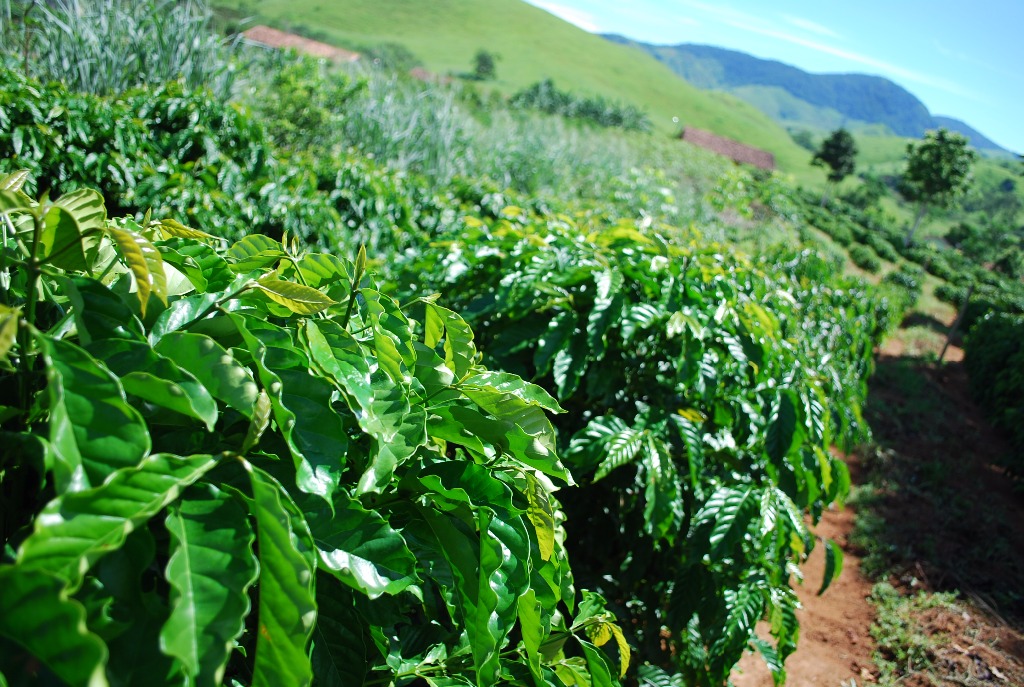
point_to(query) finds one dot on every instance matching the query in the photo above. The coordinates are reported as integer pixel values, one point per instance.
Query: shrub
(864, 258)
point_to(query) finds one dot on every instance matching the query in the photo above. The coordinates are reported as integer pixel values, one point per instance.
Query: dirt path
(945, 519)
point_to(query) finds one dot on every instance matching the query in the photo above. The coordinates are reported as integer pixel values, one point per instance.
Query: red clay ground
(938, 516)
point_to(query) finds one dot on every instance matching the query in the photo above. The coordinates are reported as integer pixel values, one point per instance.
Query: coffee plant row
(246, 465)
(703, 394)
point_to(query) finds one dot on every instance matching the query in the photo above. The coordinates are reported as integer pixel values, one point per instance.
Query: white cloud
(584, 20)
(813, 27)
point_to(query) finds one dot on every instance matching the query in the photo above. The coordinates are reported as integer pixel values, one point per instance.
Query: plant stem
(28, 326)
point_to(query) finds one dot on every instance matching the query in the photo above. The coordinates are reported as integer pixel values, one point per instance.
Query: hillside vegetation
(532, 45)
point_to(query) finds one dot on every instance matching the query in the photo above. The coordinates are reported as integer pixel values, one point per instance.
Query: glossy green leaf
(185, 311)
(301, 404)
(93, 430)
(214, 367)
(833, 565)
(61, 240)
(151, 377)
(287, 606)
(598, 665)
(541, 515)
(100, 313)
(145, 262)
(731, 512)
(86, 206)
(300, 299)
(36, 612)
(15, 181)
(210, 571)
(361, 549)
(322, 269)
(505, 383)
(253, 252)
(382, 408)
(606, 311)
(76, 529)
(441, 324)
(174, 228)
(262, 412)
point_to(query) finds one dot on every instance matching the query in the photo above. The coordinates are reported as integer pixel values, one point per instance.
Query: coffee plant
(243, 464)
(703, 393)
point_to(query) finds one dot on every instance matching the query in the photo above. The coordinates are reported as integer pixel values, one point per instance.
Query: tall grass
(109, 46)
(442, 132)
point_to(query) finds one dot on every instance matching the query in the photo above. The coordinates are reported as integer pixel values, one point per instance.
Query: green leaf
(441, 324)
(93, 430)
(262, 412)
(184, 311)
(145, 262)
(607, 308)
(35, 612)
(100, 313)
(597, 664)
(86, 206)
(322, 269)
(210, 571)
(381, 407)
(254, 252)
(731, 511)
(505, 383)
(61, 240)
(299, 299)
(214, 367)
(342, 646)
(153, 378)
(781, 426)
(9, 318)
(833, 565)
(301, 405)
(76, 529)
(361, 549)
(287, 607)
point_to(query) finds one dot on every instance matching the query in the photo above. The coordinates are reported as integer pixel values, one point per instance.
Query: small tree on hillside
(485, 65)
(938, 173)
(838, 152)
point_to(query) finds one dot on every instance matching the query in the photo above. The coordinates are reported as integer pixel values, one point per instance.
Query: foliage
(865, 258)
(937, 173)
(994, 358)
(246, 465)
(545, 97)
(176, 151)
(699, 412)
(485, 65)
(902, 648)
(838, 152)
(106, 47)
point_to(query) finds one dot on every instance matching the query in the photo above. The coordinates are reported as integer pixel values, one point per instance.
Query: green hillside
(532, 45)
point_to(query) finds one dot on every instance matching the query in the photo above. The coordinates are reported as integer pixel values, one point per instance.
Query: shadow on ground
(941, 512)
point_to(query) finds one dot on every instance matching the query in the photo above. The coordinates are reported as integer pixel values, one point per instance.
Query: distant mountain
(794, 97)
(976, 139)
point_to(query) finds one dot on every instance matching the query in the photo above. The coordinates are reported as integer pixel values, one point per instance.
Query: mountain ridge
(859, 98)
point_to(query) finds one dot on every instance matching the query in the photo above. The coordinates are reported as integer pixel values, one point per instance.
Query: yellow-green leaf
(14, 181)
(540, 514)
(145, 262)
(8, 329)
(172, 228)
(300, 299)
(602, 632)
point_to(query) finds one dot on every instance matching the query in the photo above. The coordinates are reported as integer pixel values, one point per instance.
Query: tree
(938, 173)
(484, 65)
(838, 152)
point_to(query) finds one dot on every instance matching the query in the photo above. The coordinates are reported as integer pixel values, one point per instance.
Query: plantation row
(518, 439)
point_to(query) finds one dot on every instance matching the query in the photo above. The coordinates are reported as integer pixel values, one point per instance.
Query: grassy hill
(532, 45)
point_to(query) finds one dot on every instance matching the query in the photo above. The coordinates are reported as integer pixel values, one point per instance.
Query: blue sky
(962, 59)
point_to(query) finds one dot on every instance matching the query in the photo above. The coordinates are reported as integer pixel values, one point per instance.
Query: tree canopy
(838, 152)
(938, 172)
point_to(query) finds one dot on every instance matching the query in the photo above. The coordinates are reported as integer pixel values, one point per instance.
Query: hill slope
(533, 44)
(795, 97)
